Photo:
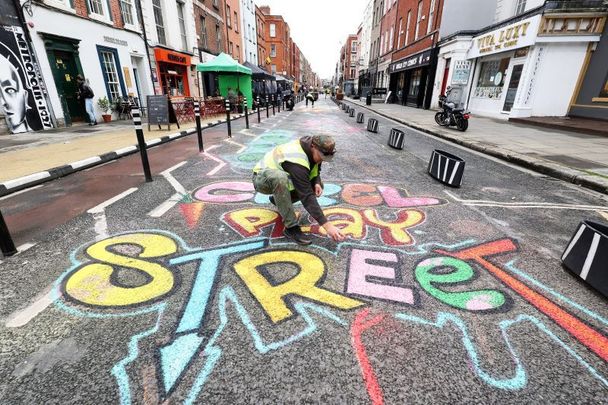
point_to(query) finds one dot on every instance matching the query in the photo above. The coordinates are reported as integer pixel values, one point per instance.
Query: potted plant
(339, 94)
(106, 107)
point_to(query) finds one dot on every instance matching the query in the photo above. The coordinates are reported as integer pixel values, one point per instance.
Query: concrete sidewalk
(32, 158)
(570, 156)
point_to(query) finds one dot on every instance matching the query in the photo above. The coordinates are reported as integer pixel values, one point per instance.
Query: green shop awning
(223, 64)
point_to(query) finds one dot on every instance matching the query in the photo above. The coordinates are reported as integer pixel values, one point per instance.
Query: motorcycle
(450, 115)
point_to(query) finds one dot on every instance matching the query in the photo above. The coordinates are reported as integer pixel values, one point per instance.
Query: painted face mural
(22, 95)
(13, 97)
(244, 293)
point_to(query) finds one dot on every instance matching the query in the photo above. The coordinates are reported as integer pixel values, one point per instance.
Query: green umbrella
(223, 64)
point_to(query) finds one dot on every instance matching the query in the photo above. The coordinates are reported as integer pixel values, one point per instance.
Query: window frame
(272, 29)
(273, 47)
(181, 18)
(121, 84)
(127, 5)
(236, 22)
(418, 21)
(228, 17)
(429, 20)
(407, 27)
(203, 31)
(157, 11)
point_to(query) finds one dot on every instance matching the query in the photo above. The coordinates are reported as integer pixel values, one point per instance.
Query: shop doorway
(512, 89)
(446, 73)
(64, 66)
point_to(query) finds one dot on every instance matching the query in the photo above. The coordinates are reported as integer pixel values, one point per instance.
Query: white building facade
(171, 36)
(516, 68)
(112, 59)
(249, 31)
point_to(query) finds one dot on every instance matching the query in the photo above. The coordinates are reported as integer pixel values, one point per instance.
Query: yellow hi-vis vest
(287, 152)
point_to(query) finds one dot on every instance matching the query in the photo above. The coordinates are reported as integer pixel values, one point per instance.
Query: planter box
(587, 255)
(446, 168)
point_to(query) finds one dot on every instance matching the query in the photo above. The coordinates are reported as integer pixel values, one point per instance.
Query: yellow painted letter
(272, 297)
(92, 283)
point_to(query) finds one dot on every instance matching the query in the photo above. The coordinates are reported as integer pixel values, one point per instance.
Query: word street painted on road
(376, 267)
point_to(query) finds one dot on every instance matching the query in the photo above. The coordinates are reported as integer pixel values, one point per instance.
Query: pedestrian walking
(291, 172)
(86, 93)
(311, 98)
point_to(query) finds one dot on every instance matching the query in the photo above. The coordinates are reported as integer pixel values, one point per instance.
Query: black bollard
(274, 101)
(258, 109)
(267, 106)
(279, 104)
(199, 131)
(141, 142)
(246, 113)
(6, 242)
(228, 118)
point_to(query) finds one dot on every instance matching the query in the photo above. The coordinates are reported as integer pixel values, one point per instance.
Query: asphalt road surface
(183, 290)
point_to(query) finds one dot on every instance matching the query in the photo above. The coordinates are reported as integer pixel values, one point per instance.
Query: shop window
(203, 32)
(429, 26)
(492, 78)
(182, 24)
(126, 7)
(160, 25)
(218, 36)
(112, 75)
(604, 91)
(407, 27)
(418, 19)
(172, 79)
(415, 83)
(96, 7)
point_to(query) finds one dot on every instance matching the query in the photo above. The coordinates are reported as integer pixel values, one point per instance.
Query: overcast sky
(319, 27)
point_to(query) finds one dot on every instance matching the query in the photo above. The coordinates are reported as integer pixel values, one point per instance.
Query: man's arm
(299, 177)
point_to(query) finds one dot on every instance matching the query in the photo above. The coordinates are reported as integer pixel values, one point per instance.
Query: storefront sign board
(462, 69)
(415, 61)
(513, 36)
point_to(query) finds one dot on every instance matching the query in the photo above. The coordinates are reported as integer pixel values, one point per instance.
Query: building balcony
(568, 6)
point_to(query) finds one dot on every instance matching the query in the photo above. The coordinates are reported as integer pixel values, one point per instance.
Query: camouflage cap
(326, 145)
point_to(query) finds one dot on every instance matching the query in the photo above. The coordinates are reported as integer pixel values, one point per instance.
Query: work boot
(296, 234)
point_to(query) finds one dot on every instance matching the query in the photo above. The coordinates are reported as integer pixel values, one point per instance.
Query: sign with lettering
(421, 59)
(164, 55)
(513, 36)
(158, 110)
(115, 41)
(462, 69)
(23, 95)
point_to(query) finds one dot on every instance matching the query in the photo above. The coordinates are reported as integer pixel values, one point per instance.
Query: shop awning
(257, 72)
(280, 78)
(223, 64)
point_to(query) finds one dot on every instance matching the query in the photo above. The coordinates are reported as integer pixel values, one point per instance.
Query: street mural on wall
(389, 270)
(23, 99)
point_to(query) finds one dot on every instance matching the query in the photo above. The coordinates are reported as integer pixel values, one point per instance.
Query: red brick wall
(81, 9)
(234, 30)
(425, 40)
(210, 22)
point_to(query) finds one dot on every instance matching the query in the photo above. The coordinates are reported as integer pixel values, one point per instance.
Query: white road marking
(220, 162)
(99, 213)
(22, 317)
(243, 147)
(545, 205)
(21, 192)
(175, 198)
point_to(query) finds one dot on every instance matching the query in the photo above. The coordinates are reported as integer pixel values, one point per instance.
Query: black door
(65, 71)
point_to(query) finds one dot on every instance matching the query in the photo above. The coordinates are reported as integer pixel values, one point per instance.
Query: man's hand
(333, 232)
(318, 190)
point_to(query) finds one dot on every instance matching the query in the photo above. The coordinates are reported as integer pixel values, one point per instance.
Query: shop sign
(421, 59)
(517, 35)
(462, 69)
(163, 55)
(115, 41)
